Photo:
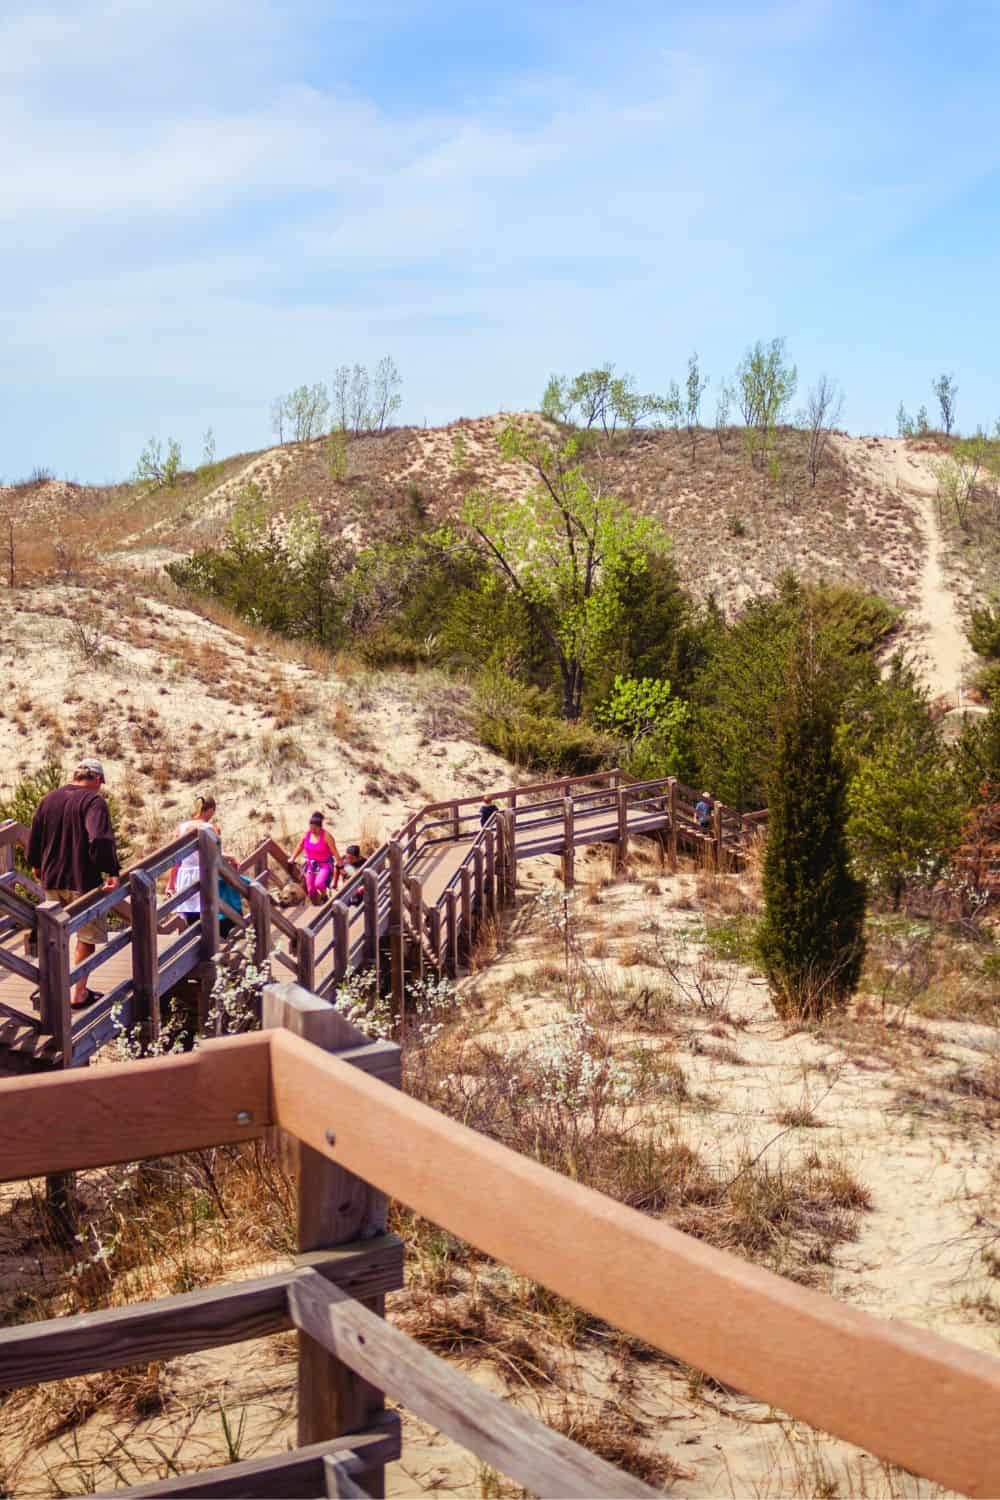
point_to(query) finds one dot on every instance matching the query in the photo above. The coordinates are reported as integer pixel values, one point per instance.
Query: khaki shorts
(91, 932)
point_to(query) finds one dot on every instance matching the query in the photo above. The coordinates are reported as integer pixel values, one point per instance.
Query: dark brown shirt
(72, 842)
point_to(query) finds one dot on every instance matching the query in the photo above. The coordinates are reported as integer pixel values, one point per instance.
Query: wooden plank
(298, 1475)
(672, 808)
(495, 1431)
(490, 876)
(901, 1393)
(397, 951)
(479, 879)
(333, 1205)
(465, 895)
(209, 859)
(414, 889)
(145, 961)
(434, 918)
(451, 932)
(306, 958)
(369, 881)
(260, 916)
(53, 975)
(91, 1118)
(22, 967)
(206, 1319)
(569, 845)
(341, 941)
(621, 853)
(188, 956)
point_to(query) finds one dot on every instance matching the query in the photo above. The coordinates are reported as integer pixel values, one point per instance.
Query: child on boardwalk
(321, 857)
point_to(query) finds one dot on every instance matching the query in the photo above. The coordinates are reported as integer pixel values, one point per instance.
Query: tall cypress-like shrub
(811, 938)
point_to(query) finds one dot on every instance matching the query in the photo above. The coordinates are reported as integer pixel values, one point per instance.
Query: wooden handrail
(905, 1394)
(902, 1393)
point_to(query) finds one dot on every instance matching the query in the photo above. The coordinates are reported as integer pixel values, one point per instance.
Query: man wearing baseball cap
(72, 851)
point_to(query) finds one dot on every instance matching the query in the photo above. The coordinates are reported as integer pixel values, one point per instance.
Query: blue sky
(204, 204)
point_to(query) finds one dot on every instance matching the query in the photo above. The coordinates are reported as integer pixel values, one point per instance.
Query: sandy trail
(945, 654)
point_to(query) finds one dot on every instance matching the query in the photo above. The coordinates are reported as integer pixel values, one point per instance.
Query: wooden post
(396, 935)
(334, 1207)
(492, 894)
(260, 915)
(373, 948)
(209, 857)
(145, 965)
(622, 848)
(569, 846)
(615, 780)
(510, 858)
(415, 906)
(465, 887)
(53, 977)
(479, 883)
(341, 941)
(499, 828)
(451, 932)
(672, 833)
(717, 835)
(56, 1017)
(306, 956)
(456, 826)
(435, 919)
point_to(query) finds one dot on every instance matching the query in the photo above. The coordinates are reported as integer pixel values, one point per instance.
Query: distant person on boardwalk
(487, 810)
(186, 874)
(72, 851)
(703, 810)
(321, 857)
(350, 865)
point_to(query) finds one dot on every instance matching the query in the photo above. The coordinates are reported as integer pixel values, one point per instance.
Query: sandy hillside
(176, 705)
(935, 625)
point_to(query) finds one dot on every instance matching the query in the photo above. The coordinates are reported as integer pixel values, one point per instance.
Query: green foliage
(518, 722)
(599, 400)
(904, 805)
(644, 712)
(977, 754)
(765, 385)
(739, 692)
(276, 571)
(984, 631)
(336, 453)
(904, 422)
(811, 937)
(153, 468)
(209, 470)
(567, 550)
(946, 392)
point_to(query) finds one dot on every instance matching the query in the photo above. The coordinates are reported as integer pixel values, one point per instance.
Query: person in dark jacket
(72, 851)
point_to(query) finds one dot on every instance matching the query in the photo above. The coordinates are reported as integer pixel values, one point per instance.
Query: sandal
(89, 998)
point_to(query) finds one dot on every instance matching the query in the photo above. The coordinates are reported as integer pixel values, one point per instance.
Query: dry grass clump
(616, 1435)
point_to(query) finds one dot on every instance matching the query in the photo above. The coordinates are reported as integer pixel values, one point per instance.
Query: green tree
(739, 692)
(696, 385)
(566, 549)
(765, 385)
(811, 937)
(598, 401)
(904, 422)
(644, 712)
(904, 805)
(946, 391)
(977, 755)
(156, 469)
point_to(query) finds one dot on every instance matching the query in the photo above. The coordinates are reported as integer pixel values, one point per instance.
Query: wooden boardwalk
(417, 902)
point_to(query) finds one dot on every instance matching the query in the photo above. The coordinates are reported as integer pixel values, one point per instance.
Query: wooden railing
(398, 910)
(898, 1392)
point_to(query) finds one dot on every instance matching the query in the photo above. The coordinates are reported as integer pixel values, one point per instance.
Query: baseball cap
(90, 767)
